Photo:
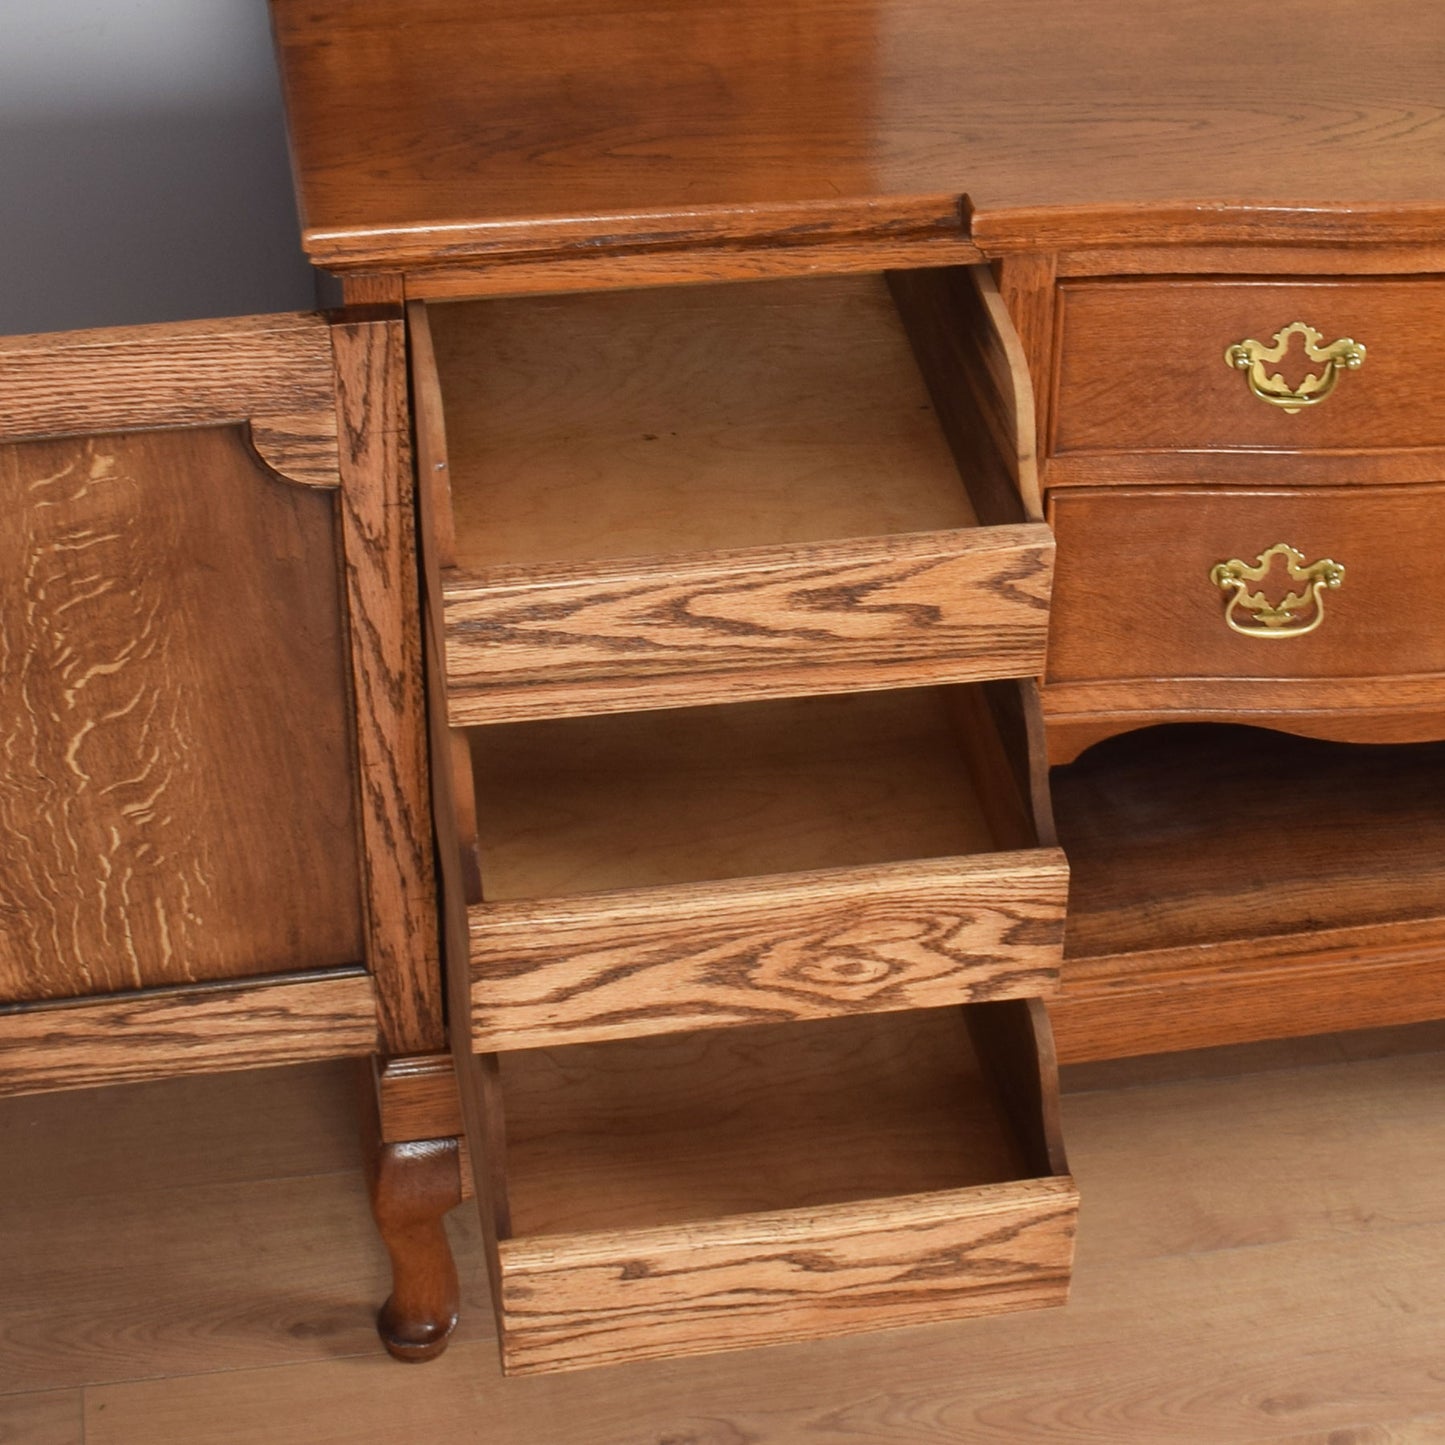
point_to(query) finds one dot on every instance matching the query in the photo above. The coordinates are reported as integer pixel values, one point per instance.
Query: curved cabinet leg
(413, 1185)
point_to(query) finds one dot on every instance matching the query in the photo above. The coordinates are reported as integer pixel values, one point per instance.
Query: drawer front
(1138, 594)
(766, 1279)
(1143, 366)
(956, 606)
(807, 945)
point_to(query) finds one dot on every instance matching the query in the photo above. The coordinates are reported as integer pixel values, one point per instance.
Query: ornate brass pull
(1276, 619)
(1338, 357)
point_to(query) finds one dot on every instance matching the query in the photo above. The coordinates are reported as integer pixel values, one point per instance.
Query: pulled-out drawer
(735, 1187)
(1218, 365)
(765, 861)
(718, 493)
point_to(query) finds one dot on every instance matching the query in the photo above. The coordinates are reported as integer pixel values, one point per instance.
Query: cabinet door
(210, 728)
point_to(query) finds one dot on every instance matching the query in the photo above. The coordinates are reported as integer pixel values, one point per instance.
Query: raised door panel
(176, 792)
(211, 762)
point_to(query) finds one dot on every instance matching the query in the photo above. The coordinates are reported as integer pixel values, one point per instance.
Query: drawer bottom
(736, 1187)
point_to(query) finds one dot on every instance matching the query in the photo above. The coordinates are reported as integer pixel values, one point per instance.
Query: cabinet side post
(411, 1120)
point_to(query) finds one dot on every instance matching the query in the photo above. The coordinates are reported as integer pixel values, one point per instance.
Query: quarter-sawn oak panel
(177, 795)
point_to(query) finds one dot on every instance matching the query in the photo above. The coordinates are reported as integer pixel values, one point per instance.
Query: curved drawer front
(1150, 366)
(1139, 595)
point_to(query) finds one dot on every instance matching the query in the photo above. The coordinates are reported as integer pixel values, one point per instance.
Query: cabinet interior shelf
(1190, 842)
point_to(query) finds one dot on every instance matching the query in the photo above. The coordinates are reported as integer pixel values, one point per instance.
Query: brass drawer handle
(1338, 357)
(1276, 619)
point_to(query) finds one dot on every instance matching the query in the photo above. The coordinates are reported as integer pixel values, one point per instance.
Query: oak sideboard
(836, 555)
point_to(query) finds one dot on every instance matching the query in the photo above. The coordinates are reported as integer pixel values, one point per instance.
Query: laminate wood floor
(1261, 1259)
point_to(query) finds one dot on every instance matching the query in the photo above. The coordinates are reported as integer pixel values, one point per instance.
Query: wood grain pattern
(1311, 255)
(702, 426)
(1395, 709)
(428, 415)
(1286, 988)
(611, 126)
(1306, 895)
(862, 1166)
(977, 374)
(1026, 284)
(1349, 222)
(50, 1418)
(703, 1125)
(697, 265)
(1135, 599)
(161, 1033)
(1214, 1298)
(1334, 836)
(271, 372)
(482, 1135)
(569, 1301)
(379, 539)
(864, 940)
(1141, 365)
(416, 1097)
(192, 1226)
(647, 800)
(373, 288)
(687, 420)
(765, 622)
(177, 771)
(1242, 468)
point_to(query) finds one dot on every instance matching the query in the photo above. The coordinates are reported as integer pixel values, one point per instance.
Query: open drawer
(734, 1187)
(649, 872)
(662, 498)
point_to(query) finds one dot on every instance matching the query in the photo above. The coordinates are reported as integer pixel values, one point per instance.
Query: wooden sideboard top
(427, 132)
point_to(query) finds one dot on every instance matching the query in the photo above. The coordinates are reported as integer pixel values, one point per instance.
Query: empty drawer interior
(647, 799)
(686, 419)
(698, 1126)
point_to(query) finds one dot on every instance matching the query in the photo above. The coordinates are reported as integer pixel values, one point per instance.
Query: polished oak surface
(1142, 367)
(434, 130)
(1135, 597)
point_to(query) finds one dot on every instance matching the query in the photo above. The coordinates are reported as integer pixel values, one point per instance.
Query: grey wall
(143, 171)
